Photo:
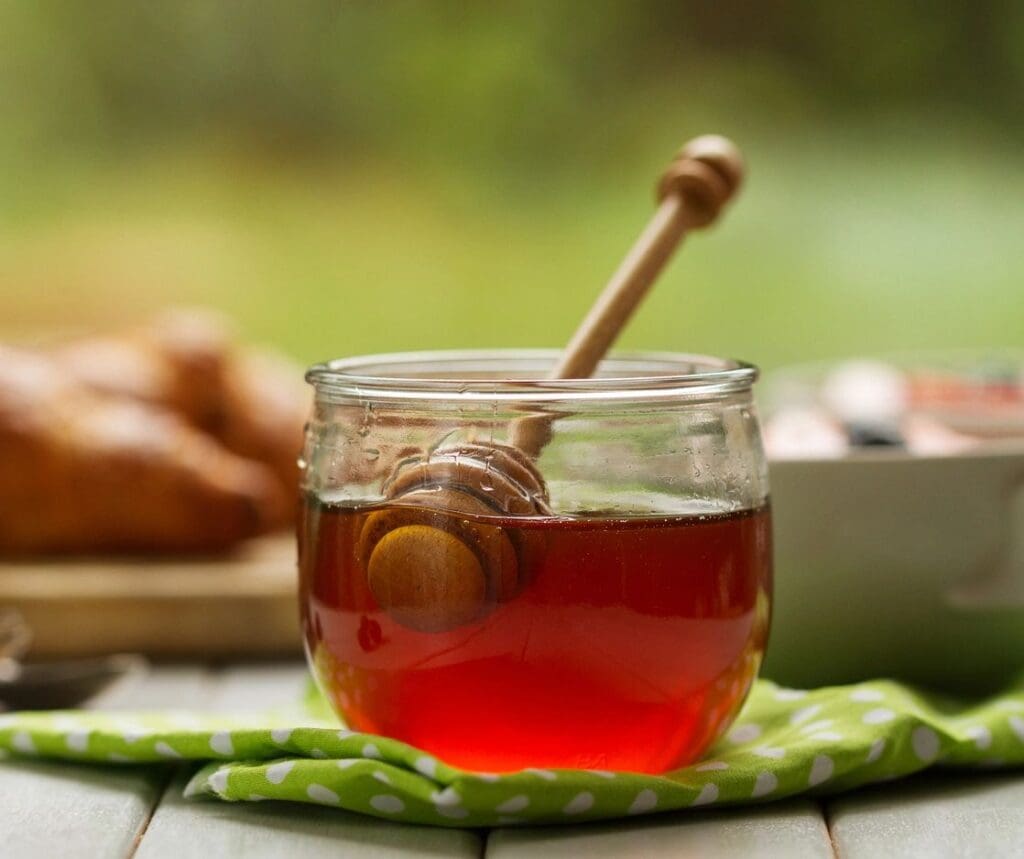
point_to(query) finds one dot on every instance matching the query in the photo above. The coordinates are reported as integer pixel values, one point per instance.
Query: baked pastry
(265, 405)
(187, 361)
(178, 361)
(86, 472)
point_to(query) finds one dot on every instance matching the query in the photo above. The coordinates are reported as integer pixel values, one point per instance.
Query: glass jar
(600, 601)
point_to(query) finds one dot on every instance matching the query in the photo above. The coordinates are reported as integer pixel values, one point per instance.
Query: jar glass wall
(599, 601)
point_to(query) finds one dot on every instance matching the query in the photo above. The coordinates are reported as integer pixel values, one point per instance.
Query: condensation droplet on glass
(364, 429)
(487, 480)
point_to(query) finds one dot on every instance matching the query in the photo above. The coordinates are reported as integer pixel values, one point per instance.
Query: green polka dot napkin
(785, 742)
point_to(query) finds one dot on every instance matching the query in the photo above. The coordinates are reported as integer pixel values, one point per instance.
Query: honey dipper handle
(626, 289)
(701, 179)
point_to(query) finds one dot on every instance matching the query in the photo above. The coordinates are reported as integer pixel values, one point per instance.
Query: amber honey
(629, 644)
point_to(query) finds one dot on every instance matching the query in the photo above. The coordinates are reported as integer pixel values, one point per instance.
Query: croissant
(265, 406)
(83, 472)
(178, 362)
(186, 361)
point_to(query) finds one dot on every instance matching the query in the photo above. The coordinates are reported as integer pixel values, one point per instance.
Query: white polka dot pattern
(744, 733)
(645, 801)
(276, 773)
(784, 743)
(323, 795)
(925, 743)
(711, 766)
(22, 742)
(78, 740)
(580, 803)
(519, 802)
(804, 714)
(164, 750)
(875, 752)
(221, 743)
(765, 784)
(426, 765)
(387, 803)
(708, 794)
(821, 770)
(219, 781)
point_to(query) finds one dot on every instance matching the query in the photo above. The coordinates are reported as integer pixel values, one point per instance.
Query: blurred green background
(350, 177)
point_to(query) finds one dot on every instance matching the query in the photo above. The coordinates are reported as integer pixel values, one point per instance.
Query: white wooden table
(70, 810)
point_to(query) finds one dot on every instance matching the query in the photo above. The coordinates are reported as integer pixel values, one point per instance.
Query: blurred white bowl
(894, 564)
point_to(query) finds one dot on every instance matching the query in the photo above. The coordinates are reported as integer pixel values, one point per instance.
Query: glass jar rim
(502, 375)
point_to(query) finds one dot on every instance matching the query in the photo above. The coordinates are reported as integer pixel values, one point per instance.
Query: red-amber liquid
(630, 646)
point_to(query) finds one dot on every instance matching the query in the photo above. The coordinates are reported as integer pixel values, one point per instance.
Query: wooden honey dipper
(431, 568)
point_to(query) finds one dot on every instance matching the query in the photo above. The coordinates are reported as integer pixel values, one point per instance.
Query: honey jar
(597, 600)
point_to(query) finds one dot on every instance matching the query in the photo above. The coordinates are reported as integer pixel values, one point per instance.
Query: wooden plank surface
(49, 809)
(183, 829)
(258, 687)
(795, 830)
(243, 604)
(62, 809)
(162, 687)
(931, 817)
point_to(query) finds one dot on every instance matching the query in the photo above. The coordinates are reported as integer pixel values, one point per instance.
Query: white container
(892, 565)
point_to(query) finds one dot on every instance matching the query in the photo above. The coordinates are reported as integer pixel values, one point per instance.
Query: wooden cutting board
(242, 605)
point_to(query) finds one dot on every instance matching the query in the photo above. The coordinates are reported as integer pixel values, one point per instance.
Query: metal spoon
(52, 685)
